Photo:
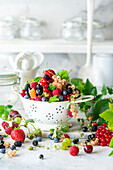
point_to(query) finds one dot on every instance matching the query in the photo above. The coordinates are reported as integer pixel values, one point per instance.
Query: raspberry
(38, 98)
(9, 130)
(74, 150)
(56, 92)
(33, 85)
(49, 93)
(5, 124)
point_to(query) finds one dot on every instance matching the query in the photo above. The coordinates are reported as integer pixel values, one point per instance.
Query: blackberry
(39, 92)
(18, 143)
(13, 147)
(2, 150)
(68, 85)
(56, 140)
(93, 136)
(50, 136)
(94, 128)
(39, 87)
(27, 86)
(90, 137)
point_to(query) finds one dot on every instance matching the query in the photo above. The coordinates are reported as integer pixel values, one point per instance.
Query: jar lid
(29, 21)
(96, 23)
(8, 77)
(75, 22)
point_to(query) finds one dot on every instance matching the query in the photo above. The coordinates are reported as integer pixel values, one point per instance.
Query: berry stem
(32, 125)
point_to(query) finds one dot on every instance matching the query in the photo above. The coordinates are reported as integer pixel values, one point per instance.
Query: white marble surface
(56, 159)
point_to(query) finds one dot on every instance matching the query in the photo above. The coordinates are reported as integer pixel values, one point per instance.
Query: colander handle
(89, 97)
(16, 89)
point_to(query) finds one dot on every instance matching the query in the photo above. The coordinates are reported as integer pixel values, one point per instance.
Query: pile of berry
(104, 135)
(50, 87)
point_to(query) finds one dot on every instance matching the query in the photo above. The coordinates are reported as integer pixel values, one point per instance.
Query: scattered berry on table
(63, 137)
(56, 140)
(63, 146)
(35, 142)
(84, 129)
(14, 125)
(9, 130)
(38, 138)
(68, 141)
(87, 141)
(18, 134)
(2, 150)
(41, 156)
(50, 136)
(5, 125)
(30, 148)
(75, 141)
(94, 128)
(12, 147)
(1, 137)
(90, 137)
(88, 148)
(13, 113)
(70, 113)
(18, 143)
(74, 150)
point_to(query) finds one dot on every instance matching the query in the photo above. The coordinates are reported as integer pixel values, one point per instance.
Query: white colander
(48, 113)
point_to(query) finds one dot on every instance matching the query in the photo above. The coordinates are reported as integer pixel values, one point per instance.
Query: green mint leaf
(104, 90)
(53, 99)
(1, 110)
(110, 125)
(37, 79)
(5, 110)
(51, 130)
(51, 87)
(101, 121)
(107, 115)
(111, 153)
(110, 90)
(98, 97)
(111, 107)
(111, 143)
(94, 91)
(87, 88)
(30, 120)
(4, 135)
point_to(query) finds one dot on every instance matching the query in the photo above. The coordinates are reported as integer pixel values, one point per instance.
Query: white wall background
(53, 13)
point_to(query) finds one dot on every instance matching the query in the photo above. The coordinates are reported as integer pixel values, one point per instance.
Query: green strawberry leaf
(51, 87)
(111, 153)
(98, 108)
(104, 90)
(37, 79)
(110, 90)
(87, 88)
(53, 99)
(111, 143)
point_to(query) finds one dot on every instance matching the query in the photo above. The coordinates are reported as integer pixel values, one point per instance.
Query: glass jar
(7, 79)
(98, 30)
(7, 28)
(72, 30)
(30, 28)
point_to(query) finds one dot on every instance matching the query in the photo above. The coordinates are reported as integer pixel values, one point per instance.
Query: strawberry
(18, 134)
(56, 92)
(33, 85)
(9, 130)
(5, 124)
(50, 73)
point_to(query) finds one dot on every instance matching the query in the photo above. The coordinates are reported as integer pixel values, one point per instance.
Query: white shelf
(54, 46)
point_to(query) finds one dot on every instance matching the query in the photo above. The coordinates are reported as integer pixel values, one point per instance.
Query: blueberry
(56, 140)
(68, 85)
(44, 99)
(69, 90)
(46, 77)
(41, 156)
(50, 136)
(84, 129)
(18, 143)
(13, 147)
(27, 86)
(89, 137)
(75, 141)
(93, 136)
(35, 143)
(38, 138)
(64, 92)
(2, 150)
(61, 98)
(2, 144)
(94, 128)
(87, 141)
(26, 96)
(39, 92)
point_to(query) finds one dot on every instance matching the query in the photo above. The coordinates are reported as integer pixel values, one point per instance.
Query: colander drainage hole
(62, 107)
(56, 108)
